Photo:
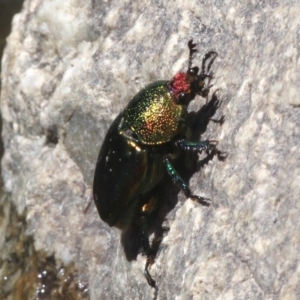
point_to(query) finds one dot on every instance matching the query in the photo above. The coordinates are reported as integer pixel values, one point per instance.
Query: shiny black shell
(124, 174)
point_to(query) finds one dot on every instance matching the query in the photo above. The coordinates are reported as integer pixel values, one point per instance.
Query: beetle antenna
(192, 49)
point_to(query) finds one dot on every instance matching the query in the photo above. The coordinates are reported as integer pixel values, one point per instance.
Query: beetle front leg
(180, 183)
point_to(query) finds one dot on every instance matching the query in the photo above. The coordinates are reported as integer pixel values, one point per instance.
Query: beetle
(141, 144)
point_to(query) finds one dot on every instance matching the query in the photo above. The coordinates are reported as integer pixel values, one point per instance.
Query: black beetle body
(140, 145)
(125, 171)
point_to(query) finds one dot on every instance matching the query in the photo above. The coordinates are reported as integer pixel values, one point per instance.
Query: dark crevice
(52, 136)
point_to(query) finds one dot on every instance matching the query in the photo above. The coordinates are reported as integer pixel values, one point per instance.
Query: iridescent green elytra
(136, 155)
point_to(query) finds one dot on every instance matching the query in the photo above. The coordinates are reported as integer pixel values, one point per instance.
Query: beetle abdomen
(120, 176)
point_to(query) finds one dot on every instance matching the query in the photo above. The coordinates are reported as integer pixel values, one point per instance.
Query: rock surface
(71, 66)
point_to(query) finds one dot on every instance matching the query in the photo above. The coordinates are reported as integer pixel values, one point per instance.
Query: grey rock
(68, 69)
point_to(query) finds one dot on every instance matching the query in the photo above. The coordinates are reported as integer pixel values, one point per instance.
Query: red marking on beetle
(180, 84)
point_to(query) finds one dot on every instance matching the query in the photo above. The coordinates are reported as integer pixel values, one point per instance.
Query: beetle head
(186, 85)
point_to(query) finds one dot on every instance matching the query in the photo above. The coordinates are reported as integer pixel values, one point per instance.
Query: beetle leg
(192, 49)
(180, 183)
(146, 246)
(197, 146)
(202, 146)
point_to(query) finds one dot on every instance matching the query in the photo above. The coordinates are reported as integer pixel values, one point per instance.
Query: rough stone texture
(71, 66)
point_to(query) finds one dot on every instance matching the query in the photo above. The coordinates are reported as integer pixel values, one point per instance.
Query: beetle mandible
(140, 145)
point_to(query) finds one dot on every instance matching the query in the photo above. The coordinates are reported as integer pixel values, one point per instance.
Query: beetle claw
(202, 200)
(150, 281)
(213, 143)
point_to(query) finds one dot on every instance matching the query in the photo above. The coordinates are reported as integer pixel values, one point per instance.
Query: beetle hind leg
(146, 209)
